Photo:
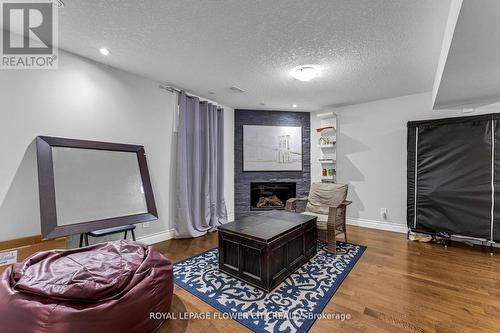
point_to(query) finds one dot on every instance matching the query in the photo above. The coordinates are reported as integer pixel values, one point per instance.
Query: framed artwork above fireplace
(272, 148)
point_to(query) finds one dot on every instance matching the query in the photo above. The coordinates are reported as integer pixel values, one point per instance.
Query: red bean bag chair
(109, 287)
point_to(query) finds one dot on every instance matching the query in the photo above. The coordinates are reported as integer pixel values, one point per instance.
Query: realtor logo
(29, 34)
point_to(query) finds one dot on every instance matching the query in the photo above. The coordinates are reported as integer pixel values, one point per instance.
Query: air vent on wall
(234, 88)
(59, 3)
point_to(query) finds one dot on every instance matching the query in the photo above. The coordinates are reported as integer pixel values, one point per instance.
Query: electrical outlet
(383, 213)
(146, 225)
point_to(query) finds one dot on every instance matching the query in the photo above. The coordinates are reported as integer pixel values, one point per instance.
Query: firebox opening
(268, 196)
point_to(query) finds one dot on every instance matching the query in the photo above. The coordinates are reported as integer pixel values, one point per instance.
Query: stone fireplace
(268, 196)
(244, 204)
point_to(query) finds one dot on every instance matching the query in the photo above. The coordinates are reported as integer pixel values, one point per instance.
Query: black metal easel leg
(446, 242)
(81, 240)
(125, 237)
(133, 234)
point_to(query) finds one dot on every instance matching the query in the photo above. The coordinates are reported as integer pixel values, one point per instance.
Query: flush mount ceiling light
(237, 89)
(104, 51)
(294, 106)
(305, 73)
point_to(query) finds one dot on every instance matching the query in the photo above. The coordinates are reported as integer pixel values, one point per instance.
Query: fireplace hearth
(269, 196)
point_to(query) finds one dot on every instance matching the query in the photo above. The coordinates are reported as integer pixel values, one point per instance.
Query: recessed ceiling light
(294, 106)
(104, 51)
(305, 73)
(262, 104)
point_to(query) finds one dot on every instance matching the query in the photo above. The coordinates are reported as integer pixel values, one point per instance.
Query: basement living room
(249, 166)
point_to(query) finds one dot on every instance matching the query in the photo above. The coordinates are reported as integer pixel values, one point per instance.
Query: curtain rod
(175, 90)
(168, 88)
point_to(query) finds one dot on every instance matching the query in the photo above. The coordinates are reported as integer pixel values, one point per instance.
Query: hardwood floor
(397, 286)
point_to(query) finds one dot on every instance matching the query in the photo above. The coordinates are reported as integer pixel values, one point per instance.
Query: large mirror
(88, 185)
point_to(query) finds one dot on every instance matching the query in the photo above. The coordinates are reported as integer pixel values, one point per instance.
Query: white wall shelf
(324, 152)
(326, 115)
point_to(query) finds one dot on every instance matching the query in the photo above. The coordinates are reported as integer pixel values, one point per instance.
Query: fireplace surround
(243, 179)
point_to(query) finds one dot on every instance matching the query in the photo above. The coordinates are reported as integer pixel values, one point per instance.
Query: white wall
(371, 156)
(86, 100)
(229, 161)
(315, 150)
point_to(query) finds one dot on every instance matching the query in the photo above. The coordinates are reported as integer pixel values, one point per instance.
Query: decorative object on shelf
(326, 141)
(272, 148)
(329, 172)
(328, 175)
(325, 128)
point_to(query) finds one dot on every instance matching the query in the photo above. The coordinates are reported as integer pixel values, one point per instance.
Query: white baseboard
(380, 225)
(373, 224)
(158, 237)
(401, 228)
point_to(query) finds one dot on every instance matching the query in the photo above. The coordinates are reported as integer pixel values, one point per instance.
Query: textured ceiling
(367, 49)
(471, 77)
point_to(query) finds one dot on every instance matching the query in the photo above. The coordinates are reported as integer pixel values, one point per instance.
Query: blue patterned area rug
(293, 306)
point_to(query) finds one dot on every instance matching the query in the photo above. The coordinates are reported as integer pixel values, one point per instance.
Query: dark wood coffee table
(264, 249)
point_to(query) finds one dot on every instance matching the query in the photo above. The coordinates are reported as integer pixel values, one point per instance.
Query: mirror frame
(47, 194)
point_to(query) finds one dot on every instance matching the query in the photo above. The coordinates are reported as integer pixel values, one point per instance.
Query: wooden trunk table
(264, 249)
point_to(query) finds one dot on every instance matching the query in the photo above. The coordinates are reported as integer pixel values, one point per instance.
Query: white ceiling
(471, 75)
(367, 49)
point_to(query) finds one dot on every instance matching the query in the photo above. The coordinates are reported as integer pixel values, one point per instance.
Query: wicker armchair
(329, 225)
